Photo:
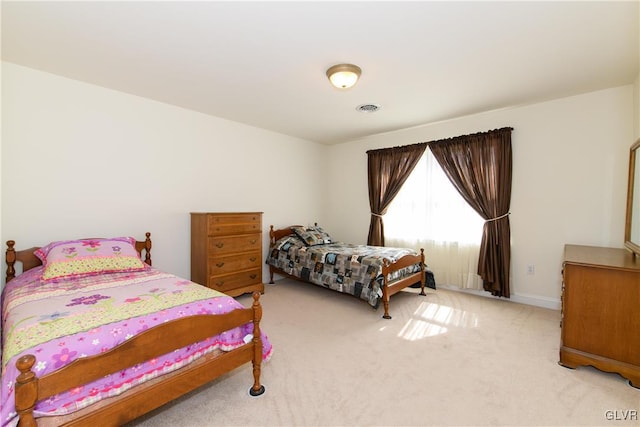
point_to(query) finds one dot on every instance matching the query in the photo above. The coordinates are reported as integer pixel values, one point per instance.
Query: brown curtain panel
(479, 166)
(388, 170)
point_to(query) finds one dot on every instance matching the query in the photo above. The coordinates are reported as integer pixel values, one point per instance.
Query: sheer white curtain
(429, 213)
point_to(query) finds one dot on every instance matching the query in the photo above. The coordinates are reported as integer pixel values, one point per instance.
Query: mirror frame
(628, 243)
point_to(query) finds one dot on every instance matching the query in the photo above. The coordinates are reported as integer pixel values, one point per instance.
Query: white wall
(636, 107)
(636, 97)
(80, 160)
(570, 161)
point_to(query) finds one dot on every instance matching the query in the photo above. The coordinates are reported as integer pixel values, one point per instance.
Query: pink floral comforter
(61, 321)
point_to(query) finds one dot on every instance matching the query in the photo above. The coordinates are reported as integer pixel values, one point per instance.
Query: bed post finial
(26, 391)
(147, 248)
(272, 236)
(10, 257)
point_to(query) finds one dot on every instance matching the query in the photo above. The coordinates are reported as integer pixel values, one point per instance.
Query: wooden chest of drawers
(226, 251)
(601, 310)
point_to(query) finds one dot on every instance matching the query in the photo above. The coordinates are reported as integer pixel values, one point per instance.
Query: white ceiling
(263, 63)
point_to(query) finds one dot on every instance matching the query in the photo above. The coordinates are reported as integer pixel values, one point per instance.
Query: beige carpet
(446, 359)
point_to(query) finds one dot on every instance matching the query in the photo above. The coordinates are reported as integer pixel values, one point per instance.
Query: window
(429, 213)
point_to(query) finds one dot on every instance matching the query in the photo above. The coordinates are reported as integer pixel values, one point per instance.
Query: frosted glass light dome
(344, 76)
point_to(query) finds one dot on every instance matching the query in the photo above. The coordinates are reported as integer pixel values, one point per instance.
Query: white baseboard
(544, 302)
(538, 301)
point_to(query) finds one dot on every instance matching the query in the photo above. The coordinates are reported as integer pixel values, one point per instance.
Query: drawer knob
(220, 283)
(253, 276)
(219, 245)
(253, 259)
(220, 264)
(253, 242)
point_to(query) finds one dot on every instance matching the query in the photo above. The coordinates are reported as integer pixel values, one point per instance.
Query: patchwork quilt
(343, 267)
(60, 321)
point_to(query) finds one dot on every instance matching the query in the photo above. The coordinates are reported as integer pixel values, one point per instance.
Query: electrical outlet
(531, 269)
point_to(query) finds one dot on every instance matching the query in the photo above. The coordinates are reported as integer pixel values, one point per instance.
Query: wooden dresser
(601, 310)
(226, 251)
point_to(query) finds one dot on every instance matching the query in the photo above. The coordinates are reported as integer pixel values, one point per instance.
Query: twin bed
(92, 335)
(371, 273)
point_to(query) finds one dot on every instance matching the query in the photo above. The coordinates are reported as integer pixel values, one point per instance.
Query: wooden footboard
(154, 342)
(391, 288)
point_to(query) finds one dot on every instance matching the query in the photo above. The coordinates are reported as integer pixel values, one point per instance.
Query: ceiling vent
(368, 108)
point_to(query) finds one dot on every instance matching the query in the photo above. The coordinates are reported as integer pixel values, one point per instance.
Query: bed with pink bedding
(62, 319)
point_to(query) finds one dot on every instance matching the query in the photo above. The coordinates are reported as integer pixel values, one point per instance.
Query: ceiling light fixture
(343, 76)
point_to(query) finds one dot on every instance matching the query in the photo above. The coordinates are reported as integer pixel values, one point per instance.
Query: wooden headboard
(274, 234)
(29, 260)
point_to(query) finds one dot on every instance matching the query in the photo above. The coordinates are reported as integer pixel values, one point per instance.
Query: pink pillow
(74, 258)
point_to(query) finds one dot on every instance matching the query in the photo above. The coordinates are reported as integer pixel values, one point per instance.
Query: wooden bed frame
(389, 288)
(153, 342)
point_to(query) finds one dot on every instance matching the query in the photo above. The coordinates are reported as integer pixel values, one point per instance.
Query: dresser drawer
(224, 245)
(227, 264)
(230, 282)
(230, 224)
